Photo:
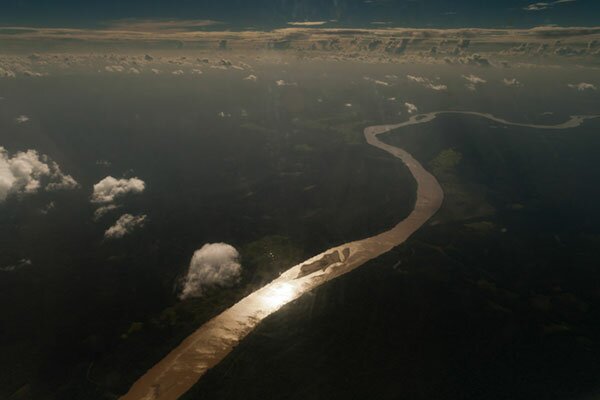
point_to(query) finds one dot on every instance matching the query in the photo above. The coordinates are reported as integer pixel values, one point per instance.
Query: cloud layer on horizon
(37, 52)
(393, 42)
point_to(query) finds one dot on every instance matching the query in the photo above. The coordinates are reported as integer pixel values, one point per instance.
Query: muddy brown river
(175, 374)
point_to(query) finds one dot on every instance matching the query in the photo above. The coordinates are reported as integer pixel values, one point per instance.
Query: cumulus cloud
(114, 68)
(426, 45)
(11, 268)
(545, 5)
(102, 211)
(411, 108)
(537, 6)
(33, 74)
(245, 65)
(6, 73)
(307, 23)
(126, 224)
(109, 188)
(28, 172)
(475, 59)
(583, 86)
(511, 82)
(104, 163)
(213, 265)
(473, 81)
(47, 208)
(61, 181)
(251, 77)
(426, 83)
(21, 119)
(281, 82)
(376, 81)
(156, 25)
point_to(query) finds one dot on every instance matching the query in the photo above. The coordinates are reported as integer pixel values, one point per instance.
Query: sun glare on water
(279, 295)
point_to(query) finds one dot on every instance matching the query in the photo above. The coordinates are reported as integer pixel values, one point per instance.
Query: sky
(242, 14)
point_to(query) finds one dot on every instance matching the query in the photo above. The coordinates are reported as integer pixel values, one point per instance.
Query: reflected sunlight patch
(279, 295)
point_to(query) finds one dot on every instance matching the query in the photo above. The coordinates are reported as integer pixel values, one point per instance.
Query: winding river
(175, 374)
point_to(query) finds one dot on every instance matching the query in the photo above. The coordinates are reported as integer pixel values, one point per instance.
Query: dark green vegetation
(471, 311)
(91, 315)
(499, 298)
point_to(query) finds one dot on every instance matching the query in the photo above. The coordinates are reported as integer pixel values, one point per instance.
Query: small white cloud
(28, 172)
(178, 72)
(47, 208)
(33, 74)
(61, 181)
(110, 188)
(102, 211)
(545, 5)
(307, 23)
(126, 224)
(103, 163)
(411, 108)
(114, 68)
(11, 268)
(196, 71)
(21, 119)
(582, 86)
(375, 81)
(281, 82)
(537, 7)
(251, 77)
(474, 79)
(427, 83)
(155, 71)
(213, 265)
(348, 105)
(511, 82)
